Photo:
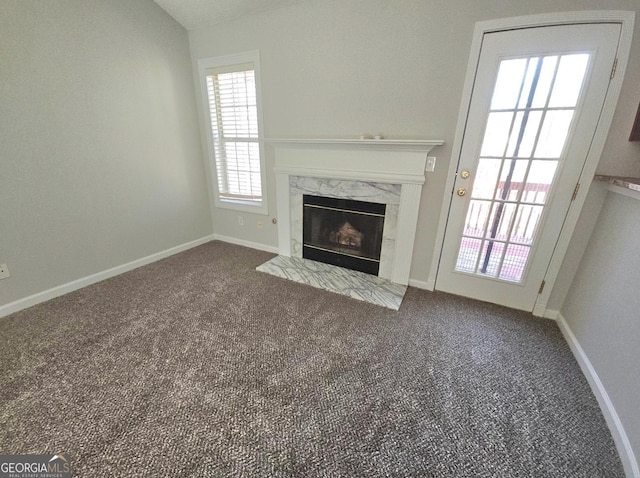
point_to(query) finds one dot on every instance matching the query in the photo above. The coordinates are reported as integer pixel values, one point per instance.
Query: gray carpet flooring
(199, 366)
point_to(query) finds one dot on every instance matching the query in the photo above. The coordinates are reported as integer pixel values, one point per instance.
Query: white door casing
(587, 134)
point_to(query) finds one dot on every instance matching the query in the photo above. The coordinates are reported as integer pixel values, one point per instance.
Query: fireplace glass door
(343, 232)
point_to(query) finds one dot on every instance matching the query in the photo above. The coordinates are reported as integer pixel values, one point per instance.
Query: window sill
(244, 206)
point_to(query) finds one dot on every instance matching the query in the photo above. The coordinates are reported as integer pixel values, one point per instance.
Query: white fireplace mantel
(400, 162)
(423, 145)
(350, 158)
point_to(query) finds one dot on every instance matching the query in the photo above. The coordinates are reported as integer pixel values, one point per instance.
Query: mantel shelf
(422, 145)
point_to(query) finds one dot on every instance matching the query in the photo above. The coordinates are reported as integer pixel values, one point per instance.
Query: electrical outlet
(240, 220)
(4, 271)
(431, 164)
(260, 224)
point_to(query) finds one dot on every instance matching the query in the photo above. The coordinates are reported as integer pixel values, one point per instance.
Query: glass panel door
(530, 116)
(535, 105)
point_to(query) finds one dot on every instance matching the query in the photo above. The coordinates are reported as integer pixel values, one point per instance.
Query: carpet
(200, 366)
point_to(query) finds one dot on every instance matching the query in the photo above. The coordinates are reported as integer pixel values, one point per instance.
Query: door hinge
(541, 287)
(613, 69)
(575, 192)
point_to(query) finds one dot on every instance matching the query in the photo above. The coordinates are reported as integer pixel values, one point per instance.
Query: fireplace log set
(347, 235)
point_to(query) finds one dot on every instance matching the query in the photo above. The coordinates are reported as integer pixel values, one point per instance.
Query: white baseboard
(431, 284)
(420, 284)
(242, 242)
(57, 291)
(540, 310)
(606, 405)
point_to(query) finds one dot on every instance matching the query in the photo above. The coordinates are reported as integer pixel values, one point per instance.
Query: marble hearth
(389, 172)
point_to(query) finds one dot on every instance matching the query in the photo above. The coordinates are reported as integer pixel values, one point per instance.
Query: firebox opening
(343, 232)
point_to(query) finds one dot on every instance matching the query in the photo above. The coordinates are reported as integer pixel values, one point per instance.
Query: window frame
(205, 64)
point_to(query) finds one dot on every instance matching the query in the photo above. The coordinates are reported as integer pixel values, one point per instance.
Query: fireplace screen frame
(343, 232)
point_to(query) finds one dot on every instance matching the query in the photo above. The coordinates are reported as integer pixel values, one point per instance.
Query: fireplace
(343, 232)
(389, 172)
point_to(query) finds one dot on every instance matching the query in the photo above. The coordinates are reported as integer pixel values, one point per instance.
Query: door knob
(461, 192)
(464, 174)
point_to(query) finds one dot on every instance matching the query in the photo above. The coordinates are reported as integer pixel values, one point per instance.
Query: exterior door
(536, 101)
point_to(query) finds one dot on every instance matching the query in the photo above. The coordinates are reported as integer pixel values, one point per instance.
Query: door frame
(626, 20)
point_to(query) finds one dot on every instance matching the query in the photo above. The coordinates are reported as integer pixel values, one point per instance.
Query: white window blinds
(231, 92)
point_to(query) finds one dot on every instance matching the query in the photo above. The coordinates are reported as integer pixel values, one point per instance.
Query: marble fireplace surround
(390, 172)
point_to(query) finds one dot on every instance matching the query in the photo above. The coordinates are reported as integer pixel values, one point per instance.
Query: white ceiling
(194, 14)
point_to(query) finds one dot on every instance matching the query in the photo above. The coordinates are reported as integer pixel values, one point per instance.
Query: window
(232, 99)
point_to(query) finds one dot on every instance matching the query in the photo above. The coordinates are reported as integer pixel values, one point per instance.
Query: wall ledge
(621, 185)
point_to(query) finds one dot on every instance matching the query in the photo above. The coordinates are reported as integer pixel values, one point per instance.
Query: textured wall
(100, 158)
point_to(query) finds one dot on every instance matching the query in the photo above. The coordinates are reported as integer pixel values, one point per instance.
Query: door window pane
(526, 224)
(539, 181)
(477, 216)
(528, 82)
(554, 133)
(490, 258)
(506, 91)
(511, 179)
(496, 134)
(514, 263)
(547, 74)
(523, 134)
(468, 255)
(486, 177)
(568, 84)
(500, 220)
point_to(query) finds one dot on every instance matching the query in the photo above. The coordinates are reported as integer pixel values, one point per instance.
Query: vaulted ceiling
(194, 14)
